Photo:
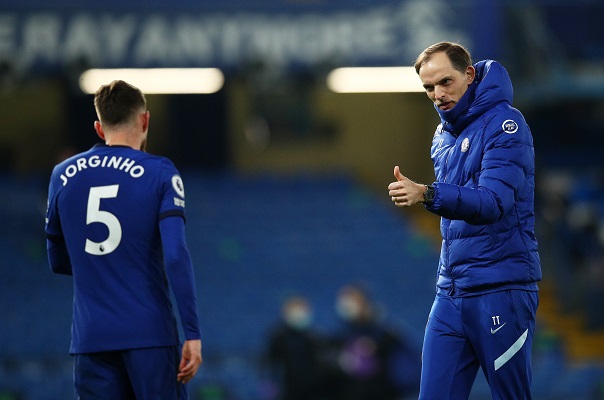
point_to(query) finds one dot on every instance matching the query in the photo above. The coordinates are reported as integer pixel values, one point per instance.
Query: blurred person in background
(115, 222)
(487, 294)
(295, 353)
(374, 361)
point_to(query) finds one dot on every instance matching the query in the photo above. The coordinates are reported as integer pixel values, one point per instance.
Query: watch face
(429, 195)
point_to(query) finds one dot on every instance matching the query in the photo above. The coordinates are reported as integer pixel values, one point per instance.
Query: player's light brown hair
(460, 56)
(117, 102)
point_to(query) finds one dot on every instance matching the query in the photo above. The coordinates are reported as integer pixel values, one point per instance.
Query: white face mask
(298, 318)
(348, 309)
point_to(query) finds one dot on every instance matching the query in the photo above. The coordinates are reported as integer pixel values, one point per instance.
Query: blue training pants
(493, 331)
(134, 374)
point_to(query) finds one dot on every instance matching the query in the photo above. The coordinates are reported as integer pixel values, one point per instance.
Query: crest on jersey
(465, 145)
(178, 186)
(509, 126)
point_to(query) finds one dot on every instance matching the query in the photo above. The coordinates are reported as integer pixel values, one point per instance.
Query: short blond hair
(460, 56)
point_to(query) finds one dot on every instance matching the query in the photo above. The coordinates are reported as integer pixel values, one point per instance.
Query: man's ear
(99, 129)
(146, 116)
(470, 74)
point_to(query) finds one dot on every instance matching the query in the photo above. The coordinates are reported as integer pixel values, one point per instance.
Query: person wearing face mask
(294, 353)
(374, 361)
(483, 315)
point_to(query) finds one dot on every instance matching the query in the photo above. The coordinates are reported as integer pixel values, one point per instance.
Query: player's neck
(123, 139)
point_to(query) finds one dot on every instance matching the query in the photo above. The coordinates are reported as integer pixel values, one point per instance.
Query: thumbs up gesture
(404, 192)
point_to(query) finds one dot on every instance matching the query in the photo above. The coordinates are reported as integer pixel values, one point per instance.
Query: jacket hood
(491, 85)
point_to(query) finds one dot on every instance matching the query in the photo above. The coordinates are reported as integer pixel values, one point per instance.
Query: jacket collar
(491, 85)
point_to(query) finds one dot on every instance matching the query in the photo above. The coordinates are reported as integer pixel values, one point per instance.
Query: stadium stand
(254, 240)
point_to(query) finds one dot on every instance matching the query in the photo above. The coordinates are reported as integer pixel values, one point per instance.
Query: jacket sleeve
(502, 174)
(179, 268)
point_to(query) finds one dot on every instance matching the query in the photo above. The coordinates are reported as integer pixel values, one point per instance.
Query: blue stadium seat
(254, 240)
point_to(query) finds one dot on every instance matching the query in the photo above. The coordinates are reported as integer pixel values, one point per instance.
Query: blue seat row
(254, 240)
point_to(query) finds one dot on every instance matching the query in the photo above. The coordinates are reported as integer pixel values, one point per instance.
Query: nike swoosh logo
(494, 331)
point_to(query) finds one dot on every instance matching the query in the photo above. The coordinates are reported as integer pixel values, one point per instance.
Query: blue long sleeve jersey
(115, 221)
(485, 179)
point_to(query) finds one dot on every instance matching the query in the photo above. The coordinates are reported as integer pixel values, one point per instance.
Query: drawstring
(451, 290)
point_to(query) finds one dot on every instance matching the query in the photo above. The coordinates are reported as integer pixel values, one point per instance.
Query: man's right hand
(404, 192)
(191, 360)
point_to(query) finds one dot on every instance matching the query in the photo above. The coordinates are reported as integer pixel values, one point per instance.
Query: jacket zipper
(446, 232)
(446, 238)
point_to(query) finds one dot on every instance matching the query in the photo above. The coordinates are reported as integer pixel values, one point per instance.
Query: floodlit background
(286, 174)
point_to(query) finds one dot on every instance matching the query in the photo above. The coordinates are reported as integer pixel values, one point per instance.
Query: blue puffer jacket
(484, 165)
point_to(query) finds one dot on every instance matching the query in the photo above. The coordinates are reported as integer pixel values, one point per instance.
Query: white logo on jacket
(465, 145)
(509, 126)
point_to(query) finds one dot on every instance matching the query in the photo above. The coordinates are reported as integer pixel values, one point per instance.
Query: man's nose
(439, 93)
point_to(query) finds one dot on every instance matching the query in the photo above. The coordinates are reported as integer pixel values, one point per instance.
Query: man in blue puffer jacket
(487, 296)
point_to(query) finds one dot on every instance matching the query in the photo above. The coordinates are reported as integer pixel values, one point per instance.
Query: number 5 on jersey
(94, 214)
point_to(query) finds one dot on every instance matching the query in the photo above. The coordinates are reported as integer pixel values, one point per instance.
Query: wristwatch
(429, 195)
